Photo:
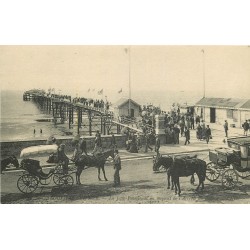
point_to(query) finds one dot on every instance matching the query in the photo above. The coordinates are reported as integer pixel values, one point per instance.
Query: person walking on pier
(226, 128)
(245, 127)
(187, 135)
(208, 134)
(117, 168)
(34, 132)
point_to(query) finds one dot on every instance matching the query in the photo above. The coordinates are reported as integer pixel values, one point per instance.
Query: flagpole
(129, 80)
(203, 61)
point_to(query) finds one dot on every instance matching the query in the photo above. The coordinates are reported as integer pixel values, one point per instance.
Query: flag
(126, 50)
(88, 90)
(100, 92)
(120, 91)
(202, 51)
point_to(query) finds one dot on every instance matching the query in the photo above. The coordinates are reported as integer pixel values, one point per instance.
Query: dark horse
(180, 167)
(93, 161)
(186, 167)
(12, 160)
(162, 162)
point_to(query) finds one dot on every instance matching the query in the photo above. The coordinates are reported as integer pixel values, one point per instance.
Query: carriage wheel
(211, 173)
(66, 180)
(229, 178)
(56, 179)
(27, 183)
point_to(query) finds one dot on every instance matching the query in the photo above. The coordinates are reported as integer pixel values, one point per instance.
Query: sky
(75, 69)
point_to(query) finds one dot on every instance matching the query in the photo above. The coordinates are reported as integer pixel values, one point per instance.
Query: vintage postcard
(125, 124)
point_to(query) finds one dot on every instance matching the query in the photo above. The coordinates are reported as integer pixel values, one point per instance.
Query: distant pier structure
(65, 110)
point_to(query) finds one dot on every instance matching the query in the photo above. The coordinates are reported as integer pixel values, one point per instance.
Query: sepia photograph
(124, 124)
(135, 124)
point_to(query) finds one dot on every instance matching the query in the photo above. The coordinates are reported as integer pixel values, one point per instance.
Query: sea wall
(15, 147)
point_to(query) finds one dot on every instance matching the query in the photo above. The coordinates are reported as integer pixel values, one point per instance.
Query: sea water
(18, 117)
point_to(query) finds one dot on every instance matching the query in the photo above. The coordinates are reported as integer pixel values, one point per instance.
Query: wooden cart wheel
(27, 183)
(56, 179)
(66, 180)
(229, 178)
(212, 174)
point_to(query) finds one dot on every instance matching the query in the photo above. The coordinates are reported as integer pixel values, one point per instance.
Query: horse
(91, 161)
(186, 167)
(12, 160)
(165, 162)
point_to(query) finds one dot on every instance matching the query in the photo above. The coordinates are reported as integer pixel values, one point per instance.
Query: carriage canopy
(38, 151)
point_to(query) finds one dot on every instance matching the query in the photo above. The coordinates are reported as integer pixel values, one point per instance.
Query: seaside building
(121, 108)
(217, 110)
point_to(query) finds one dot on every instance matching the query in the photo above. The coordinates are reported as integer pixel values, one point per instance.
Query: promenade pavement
(218, 140)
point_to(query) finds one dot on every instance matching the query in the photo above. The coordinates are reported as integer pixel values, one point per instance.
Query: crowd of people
(97, 103)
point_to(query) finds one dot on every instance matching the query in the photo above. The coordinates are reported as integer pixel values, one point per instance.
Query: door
(212, 115)
(132, 112)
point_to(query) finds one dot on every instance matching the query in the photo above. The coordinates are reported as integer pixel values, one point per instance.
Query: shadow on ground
(76, 192)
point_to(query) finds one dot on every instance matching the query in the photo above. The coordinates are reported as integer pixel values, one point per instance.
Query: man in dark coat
(226, 128)
(187, 135)
(117, 168)
(208, 133)
(62, 158)
(113, 142)
(245, 127)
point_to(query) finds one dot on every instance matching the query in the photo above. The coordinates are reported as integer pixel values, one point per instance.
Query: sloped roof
(123, 101)
(223, 102)
(246, 105)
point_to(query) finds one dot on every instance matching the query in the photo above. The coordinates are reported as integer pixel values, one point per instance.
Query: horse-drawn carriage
(34, 175)
(230, 163)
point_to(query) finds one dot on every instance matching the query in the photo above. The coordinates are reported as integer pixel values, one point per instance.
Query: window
(235, 115)
(230, 113)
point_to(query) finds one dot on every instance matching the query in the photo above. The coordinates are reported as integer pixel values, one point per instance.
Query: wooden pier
(64, 110)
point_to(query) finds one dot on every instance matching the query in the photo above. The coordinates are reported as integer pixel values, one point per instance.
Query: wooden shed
(217, 110)
(121, 108)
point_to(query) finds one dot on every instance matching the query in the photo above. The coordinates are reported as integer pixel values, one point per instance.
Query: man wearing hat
(226, 128)
(62, 158)
(117, 167)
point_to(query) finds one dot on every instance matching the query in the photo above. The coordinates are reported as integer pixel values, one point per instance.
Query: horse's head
(14, 161)
(156, 162)
(166, 161)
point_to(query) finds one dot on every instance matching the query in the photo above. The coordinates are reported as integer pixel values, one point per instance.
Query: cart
(34, 175)
(230, 163)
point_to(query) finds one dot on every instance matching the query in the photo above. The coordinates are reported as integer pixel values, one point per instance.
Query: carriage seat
(43, 175)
